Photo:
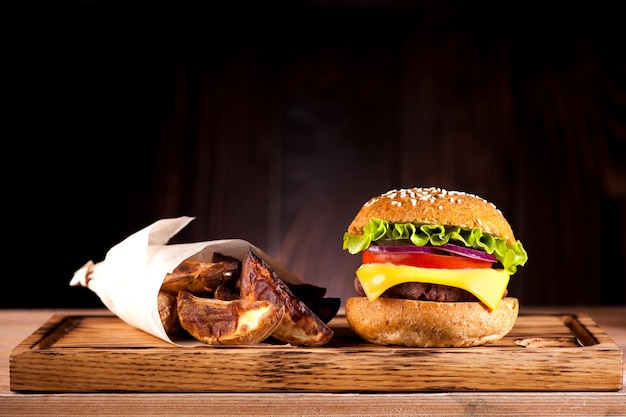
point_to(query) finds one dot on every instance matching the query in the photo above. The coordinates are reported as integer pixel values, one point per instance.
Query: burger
(435, 269)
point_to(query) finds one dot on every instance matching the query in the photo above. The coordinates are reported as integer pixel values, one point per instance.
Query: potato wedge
(167, 311)
(237, 322)
(226, 293)
(299, 325)
(198, 277)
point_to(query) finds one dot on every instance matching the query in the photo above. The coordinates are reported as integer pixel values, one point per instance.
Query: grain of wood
(100, 353)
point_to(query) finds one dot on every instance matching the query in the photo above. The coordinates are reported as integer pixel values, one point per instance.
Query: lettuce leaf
(420, 235)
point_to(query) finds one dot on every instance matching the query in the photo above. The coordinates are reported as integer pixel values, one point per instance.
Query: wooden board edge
(597, 372)
(39, 335)
(35, 344)
(604, 341)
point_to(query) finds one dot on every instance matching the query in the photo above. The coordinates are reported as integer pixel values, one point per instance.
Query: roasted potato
(167, 311)
(237, 322)
(198, 277)
(299, 325)
(227, 301)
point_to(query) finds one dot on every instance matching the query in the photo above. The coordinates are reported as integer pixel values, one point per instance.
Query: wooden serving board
(104, 354)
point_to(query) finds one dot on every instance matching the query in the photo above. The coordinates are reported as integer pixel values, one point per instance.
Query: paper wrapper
(129, 278)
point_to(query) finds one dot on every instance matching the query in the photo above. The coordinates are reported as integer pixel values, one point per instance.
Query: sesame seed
(430, 195)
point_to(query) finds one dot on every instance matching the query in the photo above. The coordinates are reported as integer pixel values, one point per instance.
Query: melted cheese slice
(487, 284)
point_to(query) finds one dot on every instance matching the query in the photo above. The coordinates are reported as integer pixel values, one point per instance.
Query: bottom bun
(393, 321)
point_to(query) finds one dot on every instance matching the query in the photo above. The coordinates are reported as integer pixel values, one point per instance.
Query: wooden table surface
(16, 325)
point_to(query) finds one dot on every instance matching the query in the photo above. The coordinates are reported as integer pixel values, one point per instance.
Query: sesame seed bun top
(434, 206)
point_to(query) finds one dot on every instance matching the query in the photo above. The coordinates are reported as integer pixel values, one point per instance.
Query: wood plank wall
(275, 123)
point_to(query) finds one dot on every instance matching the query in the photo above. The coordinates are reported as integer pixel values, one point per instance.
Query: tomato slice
(424, 260)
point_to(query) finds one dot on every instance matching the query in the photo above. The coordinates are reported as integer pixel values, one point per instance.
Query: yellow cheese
(487, 284)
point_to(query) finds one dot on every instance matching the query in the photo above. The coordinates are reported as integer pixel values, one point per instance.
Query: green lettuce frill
(420, 235)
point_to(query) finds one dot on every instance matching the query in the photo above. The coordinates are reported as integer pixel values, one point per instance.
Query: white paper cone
(129, 278)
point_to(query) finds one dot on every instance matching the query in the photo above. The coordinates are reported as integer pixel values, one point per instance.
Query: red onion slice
(447, 247)
(468, 252)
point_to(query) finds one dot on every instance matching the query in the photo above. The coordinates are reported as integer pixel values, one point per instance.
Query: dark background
(275, 121)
